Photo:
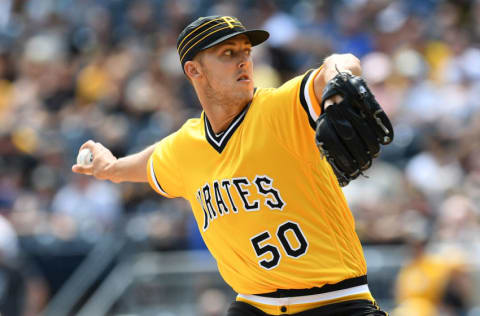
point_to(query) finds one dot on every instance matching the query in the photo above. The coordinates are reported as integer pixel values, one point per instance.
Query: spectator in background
(350, 36)
(436, 169)
(95, 206)
(21, 292)
(433, 282)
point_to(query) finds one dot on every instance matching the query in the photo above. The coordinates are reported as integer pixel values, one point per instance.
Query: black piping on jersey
(342, 285)
(219, 141)
(303, 101)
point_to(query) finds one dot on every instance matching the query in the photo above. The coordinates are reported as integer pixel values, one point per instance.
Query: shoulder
(192, 125)
(294, 100)
(192, 128)
(290, 86)
(179, 143)
(292, 91)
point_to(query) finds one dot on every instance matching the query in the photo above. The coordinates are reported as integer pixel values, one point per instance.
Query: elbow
(343, 62)
(354, 65)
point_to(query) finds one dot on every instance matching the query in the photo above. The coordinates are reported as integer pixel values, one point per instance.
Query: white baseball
(84, 157)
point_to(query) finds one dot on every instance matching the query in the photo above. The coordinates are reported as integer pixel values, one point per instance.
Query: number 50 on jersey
(294, 249)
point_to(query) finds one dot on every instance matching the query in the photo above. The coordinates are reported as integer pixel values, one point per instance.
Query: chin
(245, 94)
(248, 89)
(238, 93)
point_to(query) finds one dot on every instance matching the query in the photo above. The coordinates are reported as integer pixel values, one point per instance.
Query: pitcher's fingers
(88, 170)
(337, 98)
(90, 144)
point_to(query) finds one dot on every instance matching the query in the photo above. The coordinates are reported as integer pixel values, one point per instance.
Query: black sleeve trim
(303, 101)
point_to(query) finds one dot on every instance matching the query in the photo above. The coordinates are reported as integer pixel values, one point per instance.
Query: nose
(243, 61)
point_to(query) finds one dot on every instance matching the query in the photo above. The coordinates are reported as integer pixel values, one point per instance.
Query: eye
(228, 52)
(248, 51)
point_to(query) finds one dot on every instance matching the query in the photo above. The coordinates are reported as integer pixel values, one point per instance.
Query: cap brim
(256, 37)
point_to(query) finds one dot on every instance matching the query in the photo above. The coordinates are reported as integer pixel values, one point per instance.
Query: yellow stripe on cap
(181, 58)
(229, 25)
(197, 29)
(227, 19)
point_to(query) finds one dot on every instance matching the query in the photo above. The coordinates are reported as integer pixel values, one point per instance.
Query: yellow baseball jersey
(269, 208)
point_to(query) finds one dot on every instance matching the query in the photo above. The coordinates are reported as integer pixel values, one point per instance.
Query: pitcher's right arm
(106, 166)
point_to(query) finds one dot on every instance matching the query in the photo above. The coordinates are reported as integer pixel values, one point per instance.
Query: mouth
(243, 78)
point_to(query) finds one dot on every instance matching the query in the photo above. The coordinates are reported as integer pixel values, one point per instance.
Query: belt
(327, 292)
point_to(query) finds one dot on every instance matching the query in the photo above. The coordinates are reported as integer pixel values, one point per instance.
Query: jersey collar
(219, 141)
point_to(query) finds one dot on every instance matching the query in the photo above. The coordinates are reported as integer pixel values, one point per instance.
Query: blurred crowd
(108, 70)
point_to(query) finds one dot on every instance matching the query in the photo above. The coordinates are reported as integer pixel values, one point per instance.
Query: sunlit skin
(223, 79)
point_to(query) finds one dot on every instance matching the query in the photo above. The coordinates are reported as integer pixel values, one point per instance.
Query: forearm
(105, 166)
(330, 68)
(132, 168)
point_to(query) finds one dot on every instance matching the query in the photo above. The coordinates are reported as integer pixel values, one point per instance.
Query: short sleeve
(308, 100)
(162, 169)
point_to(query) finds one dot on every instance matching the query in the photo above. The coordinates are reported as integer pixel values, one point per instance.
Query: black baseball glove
(349, 133)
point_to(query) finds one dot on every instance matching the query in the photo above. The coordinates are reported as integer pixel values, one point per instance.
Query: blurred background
(73, 70)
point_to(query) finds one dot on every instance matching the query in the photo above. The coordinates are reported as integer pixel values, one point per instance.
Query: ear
(192, 69)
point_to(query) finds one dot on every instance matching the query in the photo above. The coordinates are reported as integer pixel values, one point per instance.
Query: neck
(221, 110)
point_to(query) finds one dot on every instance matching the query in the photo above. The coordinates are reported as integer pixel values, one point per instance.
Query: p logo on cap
(230, 20)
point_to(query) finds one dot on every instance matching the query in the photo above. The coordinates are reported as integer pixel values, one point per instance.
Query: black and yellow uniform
(346, 308)
(269, 208)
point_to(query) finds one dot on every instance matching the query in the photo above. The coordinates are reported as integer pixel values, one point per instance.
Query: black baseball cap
(209, 31)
